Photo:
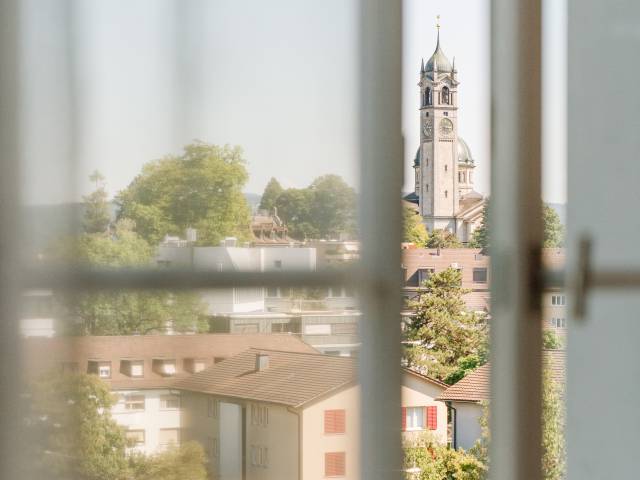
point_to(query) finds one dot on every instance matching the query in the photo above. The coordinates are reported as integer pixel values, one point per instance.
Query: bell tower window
(427, 97)
(445, 95)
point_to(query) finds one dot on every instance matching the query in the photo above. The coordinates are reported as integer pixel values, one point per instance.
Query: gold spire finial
(438, 22)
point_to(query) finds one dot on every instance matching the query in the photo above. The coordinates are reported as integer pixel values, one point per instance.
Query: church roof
(438, 60)
(464, 152)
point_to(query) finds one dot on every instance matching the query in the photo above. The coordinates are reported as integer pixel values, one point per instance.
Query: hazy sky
(279, 78)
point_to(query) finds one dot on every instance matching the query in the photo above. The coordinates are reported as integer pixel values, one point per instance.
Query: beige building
(142, 370)
(419, 263)
(267, 414)
(467, 399)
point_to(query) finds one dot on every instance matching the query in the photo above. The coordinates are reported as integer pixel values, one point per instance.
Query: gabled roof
(291, 379)
(475, 387)
(116, 349)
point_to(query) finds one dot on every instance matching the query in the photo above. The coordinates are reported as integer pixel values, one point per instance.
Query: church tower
(437, 175)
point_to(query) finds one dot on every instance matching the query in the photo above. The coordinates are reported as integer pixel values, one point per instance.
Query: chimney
(262, 362)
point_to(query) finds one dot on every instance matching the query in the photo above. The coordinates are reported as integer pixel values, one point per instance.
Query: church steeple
(438, 61)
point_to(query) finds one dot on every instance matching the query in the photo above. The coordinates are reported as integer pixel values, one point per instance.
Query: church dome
(439, 60)
(464, 152)
(416, 161)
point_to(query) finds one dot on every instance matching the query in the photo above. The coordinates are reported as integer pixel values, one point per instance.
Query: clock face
(446, 126)
(428, 129)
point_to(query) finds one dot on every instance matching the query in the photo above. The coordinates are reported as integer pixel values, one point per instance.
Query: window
(345, 328)
(259, 415)
(104, 370)
(164, 367)
(218, 359)
(445, 167)
(213, 447)
(414, 418)
(559, 300)
(272, 292)
(259, 456)
(135, 438)
(134, 402)
(317, 329)
(446, 194)
(559, 322)
(445, 95)
(446, 114)
(334, 464)
(168, 437)
(136, 368)
(199, 365)
(334, 421)
(424, 274)
(480, 275)
(169, 402)
(427, 100)
(213, 407)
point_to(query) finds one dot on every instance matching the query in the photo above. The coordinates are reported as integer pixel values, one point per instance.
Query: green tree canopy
(443, 239)
(270, 195)
(96, 206)
(439, 462)
(553, 229)
(69, 431)
(444, 337)
(414, 230)
(202, 189)
(553, 234)
(185, 462)
(325, 209)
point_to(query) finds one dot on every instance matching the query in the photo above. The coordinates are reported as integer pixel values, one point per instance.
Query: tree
(480, 236)
(96, 208)
(443, 239)
(553, 422)
(325, 209)
(123, 312)
(553, 233)
(551, 340)
(271, 193)
(438, 462)
(69, 431)
(414, 230)
(443, 335)
(553, 229)
(185, 462)
(202, 189)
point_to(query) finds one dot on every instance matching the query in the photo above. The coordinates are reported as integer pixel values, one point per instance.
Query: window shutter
(404, 418)
(432, 418)
(334, 421)
(334, 464)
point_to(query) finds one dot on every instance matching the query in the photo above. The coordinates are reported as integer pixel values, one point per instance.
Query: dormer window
(102, 369)
(132, 368)
(164, 367)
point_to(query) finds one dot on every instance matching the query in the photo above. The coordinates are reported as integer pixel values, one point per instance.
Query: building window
(272, 292)
(334, 421)
(424, 274)
(446, 194)
(134, 402)
(136, 368)
(213, 447)
(104, 369)
(218, 359)
(445, 167)
(426, 186)
(334, 464)
(559, 322)
(559, 300)
(259, 415)
(460, 177)
(259, 456)
(414, 418)
(479, 275)
(446, 114)
(317, 329)
(135, 438)
(213, 407)
(169, 437)
(164, 367)
(445, 95)
(345, 328)
(169, 402)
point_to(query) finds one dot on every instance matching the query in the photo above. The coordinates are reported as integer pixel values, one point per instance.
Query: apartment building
(142, 372)
(419, 263)
(466, 399)
(269, 414)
